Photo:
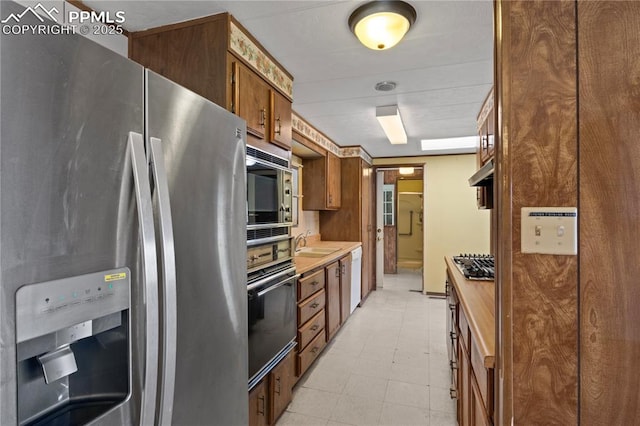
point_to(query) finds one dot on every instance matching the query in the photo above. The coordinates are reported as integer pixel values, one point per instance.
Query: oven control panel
(265, 255)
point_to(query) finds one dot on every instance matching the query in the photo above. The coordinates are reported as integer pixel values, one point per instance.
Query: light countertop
(306, 264)
(477, 299)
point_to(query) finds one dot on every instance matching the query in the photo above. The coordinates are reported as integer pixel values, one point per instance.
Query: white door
(379, 231)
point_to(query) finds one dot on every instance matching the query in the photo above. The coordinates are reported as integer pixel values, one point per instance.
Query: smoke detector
(385, 86)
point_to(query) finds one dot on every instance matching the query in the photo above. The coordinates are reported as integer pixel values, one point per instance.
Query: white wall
(453, 223)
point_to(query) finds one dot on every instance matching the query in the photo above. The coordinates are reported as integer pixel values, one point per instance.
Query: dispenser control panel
(47, 307)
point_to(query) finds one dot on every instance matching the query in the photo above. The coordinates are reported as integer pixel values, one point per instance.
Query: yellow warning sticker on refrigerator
(115, 277)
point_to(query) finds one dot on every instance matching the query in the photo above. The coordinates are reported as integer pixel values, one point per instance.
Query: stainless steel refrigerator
(122, 242)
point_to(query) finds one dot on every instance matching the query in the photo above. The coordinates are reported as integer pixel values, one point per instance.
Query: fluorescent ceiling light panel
(391, 122)
(466, 144)
(406, 170)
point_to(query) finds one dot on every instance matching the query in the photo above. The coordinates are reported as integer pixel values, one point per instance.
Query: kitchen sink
(316, 251)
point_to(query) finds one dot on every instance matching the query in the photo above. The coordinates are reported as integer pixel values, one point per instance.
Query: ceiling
(443, 68)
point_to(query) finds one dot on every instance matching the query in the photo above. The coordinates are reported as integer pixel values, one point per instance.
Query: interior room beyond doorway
(400, 227)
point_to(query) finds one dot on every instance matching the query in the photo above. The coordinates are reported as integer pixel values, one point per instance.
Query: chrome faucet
(301, 237)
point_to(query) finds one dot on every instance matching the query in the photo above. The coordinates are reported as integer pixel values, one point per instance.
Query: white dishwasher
(356, 277)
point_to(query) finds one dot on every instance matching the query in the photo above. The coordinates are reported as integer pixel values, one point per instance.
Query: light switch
(549, 230)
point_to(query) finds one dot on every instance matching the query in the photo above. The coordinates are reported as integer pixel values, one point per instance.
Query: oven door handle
(273, 287)
(271, 277)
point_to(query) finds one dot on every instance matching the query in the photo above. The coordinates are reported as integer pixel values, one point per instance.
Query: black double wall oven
(271, 274)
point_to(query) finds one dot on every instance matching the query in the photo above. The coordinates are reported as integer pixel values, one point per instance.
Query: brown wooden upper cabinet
(486, 130)
(250, 99)
(321, 183)
(486, 148)
(217, 58)
(280, 108)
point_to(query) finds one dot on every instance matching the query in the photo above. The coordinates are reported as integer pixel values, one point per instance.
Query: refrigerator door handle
(150, 276)
(168, 264)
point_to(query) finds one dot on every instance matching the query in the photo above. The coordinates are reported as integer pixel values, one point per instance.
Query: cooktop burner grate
(476, 266)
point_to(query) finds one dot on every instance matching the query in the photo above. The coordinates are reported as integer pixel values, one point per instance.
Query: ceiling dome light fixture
(380, 25)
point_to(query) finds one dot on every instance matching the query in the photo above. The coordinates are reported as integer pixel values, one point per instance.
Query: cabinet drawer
(310, 353)
(484, 377)
(464, 336)
(310, 329)
(310, 284)
(310, 307)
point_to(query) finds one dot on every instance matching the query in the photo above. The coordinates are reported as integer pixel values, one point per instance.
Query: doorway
(409, 253)
(399, 223)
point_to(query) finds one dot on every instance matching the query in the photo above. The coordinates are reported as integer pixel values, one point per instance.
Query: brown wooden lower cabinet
(463, 391)
(345, 288)
(333, 299)
(324, 304)
(258, 405)
(270, 397)
(478, 415)
(312, 314)
(310, 353)
(472, 382)
(281, 381)
(474, 389)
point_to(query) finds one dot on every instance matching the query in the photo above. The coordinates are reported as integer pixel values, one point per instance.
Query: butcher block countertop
(477, 299)
(306, 264)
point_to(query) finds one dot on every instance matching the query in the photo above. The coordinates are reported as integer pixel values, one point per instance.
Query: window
(388, 205)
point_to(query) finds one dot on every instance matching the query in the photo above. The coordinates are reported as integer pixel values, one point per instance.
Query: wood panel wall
(609, 81)
(537, 144)
(390, 250)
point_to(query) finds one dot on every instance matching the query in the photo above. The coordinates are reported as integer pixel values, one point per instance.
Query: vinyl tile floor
(387, 365)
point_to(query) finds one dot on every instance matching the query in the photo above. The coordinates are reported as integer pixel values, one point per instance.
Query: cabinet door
(368, 243)
(333, 181)
(463, 388)
(345, 288)
(490, 134)
(280, 133)
(478, 415)
(258, 405)
(333, 299)
(281, 381)
(251, 100)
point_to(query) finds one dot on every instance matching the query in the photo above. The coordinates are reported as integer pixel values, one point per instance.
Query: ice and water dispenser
(73, 348)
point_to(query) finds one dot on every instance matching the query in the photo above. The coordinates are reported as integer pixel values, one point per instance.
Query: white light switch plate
(549, 230)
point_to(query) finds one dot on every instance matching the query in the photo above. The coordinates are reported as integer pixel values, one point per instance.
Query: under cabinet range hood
(484, 176)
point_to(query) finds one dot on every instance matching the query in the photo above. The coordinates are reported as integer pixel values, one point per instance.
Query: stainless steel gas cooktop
(476, 266)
